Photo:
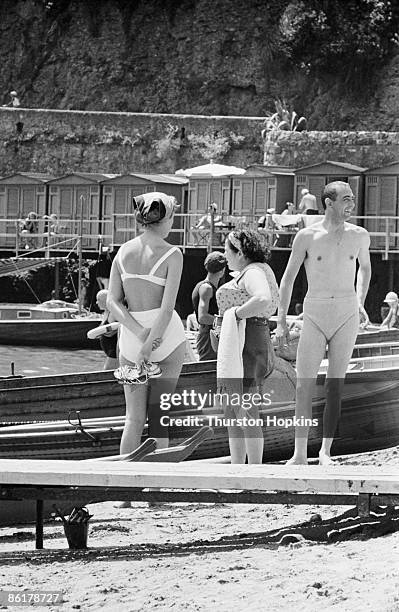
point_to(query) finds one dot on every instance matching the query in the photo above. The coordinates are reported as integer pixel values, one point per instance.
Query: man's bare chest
(335, 247)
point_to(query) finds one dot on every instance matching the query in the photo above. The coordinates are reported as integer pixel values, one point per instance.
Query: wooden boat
(370, 413)
(95, 394)
(98, 395)
(376, 334)
(54, 323)
(375, 349)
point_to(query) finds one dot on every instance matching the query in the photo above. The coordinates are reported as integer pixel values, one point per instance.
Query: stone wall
(64, 141)
(296, 149)
(59, 142)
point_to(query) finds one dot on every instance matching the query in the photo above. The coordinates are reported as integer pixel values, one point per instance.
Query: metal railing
(92, 234)
(186, 233)
(383, 231)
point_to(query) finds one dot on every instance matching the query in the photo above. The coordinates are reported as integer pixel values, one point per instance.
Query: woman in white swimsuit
(145, 275)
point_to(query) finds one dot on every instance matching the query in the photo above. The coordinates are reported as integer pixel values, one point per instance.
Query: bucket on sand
(76, 534)
(76, 527)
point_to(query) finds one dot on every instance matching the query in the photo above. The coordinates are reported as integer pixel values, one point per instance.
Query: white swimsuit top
(158, 280)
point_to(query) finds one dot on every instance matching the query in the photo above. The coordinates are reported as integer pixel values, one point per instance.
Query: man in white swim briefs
(329, 251)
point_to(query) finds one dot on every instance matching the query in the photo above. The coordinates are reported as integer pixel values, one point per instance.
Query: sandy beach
(195, 557)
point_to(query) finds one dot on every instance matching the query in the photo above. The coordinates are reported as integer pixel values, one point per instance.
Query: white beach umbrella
(210, 170)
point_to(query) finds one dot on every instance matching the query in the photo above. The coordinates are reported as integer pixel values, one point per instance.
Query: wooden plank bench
(14, 510)
(197, 482)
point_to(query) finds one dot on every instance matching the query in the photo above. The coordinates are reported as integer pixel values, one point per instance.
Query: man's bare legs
(332, 411)
(311, 350)
(340, 350)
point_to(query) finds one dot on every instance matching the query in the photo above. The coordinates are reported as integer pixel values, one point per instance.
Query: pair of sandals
(138, 373)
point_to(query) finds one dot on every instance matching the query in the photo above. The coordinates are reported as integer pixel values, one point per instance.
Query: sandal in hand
(153, 370)
(131, 375)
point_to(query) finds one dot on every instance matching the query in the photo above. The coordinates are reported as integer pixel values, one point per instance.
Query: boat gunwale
(9, 384)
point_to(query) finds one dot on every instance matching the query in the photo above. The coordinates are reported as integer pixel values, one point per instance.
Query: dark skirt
(258, 362)
(258, 352)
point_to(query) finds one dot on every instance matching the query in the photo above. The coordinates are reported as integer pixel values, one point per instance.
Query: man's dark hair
(215, 262)
(331, 191)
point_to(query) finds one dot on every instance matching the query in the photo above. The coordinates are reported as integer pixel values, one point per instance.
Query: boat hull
(369, 420)
(374, 334)
(95, 394)
(59, 333)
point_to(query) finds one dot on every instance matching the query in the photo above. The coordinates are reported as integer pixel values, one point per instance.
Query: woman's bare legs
(237, 444)
(143, 398)
(136, 415)
(254, 443)
(166, 384)
(246, 442)
(139, 398)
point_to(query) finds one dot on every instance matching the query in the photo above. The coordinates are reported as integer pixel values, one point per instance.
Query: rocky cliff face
(172, 56)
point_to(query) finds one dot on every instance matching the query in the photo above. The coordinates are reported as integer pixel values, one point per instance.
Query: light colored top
(232, 295)
(308, 202)
(150, 277)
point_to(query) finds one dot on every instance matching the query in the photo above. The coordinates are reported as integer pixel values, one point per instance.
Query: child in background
(109, 340)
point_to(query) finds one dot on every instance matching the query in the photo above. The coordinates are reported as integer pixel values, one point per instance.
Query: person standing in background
(204, 302)
(109, 340)
(103, 269)
(391, 319)
(14, 102)
(308, 203)
(30, 227)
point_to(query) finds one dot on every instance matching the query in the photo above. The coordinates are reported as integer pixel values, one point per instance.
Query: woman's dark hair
(253, 245)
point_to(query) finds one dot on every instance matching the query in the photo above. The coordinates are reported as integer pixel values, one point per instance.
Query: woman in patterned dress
(253, 293)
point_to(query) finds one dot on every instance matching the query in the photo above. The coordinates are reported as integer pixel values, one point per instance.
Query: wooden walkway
(197, 482)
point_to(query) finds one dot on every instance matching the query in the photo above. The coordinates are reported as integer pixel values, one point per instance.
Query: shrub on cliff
(346, 38)
(283, 119)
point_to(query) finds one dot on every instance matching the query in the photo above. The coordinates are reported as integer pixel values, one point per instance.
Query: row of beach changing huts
(247, 195)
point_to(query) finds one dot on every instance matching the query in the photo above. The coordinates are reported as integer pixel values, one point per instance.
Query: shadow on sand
(349, 525)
